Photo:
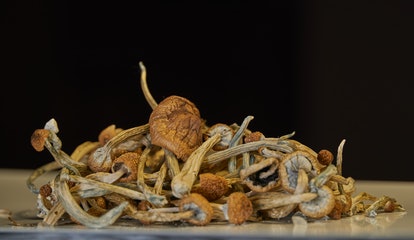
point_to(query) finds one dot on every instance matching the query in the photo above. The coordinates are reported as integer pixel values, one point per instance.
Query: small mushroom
(101, 160)
(107, 133)
(203, 211)
(47, 138)
(291, 163)
(129, 162)
(175, 124)
(239, 208)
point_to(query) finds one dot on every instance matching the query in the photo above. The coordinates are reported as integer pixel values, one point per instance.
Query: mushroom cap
(212, 186)
(239, 208)
(320, 206)
(226, 132)
(262, 176)
(254, 136)
(291, 163)
(175, 124)
(203, 211)
(325, 157)
(129, 161)
(38, 139)
(106, 134)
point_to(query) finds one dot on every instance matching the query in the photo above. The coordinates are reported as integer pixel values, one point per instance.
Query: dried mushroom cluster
(178, 169)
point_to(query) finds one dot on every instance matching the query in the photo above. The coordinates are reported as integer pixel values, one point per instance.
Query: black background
(328, 70)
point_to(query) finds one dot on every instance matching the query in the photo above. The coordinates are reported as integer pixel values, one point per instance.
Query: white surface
(398, 225)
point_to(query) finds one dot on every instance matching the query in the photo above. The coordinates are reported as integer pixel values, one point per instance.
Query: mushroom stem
(219, 156)
(270, 200)
(74, 210)
(89, 183)
(172, 162)
(323, 177)
(51, 166)
(155, 199)
(53, 145)
(182, 183)
(235, 140)
(169, 214)
(144, 87)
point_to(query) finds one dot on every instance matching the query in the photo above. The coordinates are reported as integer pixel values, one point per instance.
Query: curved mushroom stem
(144, 86)
(182, 183)
(74, 210)
(339, 164)
(53, 144)
(235, 140)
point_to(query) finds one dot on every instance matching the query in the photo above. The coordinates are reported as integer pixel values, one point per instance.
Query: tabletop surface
(396, 225)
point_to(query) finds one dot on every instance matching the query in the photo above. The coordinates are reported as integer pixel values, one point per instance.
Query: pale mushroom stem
(219, 156)
(153, 198)
(51, 166)
(61, 157)
(182, 183)
(235, 140)
(160, 179)
(144, 86)
(339, 164)
(172, 162)
(107, 187)
(279, 199)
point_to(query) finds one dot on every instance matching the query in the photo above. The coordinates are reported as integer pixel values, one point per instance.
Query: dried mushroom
(176, 168)
(175, 124)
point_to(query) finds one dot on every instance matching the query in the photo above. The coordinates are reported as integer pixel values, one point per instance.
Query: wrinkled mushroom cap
(239, 208)
(175, 124)
(212, 186)
(128, 161)
(38, 139)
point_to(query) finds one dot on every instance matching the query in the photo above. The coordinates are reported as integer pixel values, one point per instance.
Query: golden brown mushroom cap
(239, 208)
(175, 124)
(212, 186)
(106, 134)
(38, 139)
(129, 161)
